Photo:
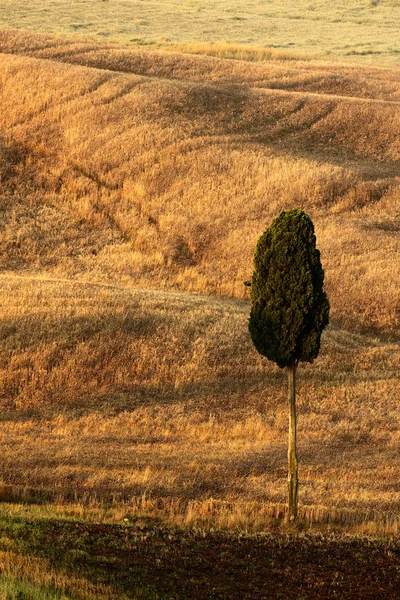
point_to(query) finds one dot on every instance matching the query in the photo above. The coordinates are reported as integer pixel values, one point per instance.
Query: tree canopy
(289, 307)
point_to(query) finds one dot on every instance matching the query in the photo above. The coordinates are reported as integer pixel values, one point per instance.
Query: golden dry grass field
(359, 30)
(134, 185)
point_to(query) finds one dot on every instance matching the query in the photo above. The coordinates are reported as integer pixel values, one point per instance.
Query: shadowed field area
(146, 560)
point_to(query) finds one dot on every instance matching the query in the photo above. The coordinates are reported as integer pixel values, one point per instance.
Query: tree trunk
(292, 456)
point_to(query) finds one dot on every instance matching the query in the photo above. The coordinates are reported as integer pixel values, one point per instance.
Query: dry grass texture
(40, 577)
(166, 174)
(364, 31)
(110, 394)
(159, 170)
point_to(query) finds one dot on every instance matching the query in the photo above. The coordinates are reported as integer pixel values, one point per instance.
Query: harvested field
(116, 394)
(365, 31)
(142, 434)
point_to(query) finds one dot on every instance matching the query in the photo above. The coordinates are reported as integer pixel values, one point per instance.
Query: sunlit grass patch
(26, 575)
(12, 588)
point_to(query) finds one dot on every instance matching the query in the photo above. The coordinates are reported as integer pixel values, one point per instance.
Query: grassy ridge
(161, 170)
(364, 31)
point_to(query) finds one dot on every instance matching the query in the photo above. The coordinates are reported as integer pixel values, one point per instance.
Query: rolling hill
(143, 438)
(366, 31)
(151, 168)
(134, 186)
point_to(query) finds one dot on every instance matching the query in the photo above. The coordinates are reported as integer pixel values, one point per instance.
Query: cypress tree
(289, 309)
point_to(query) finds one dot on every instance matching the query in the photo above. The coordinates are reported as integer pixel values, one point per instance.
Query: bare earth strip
(147, 561)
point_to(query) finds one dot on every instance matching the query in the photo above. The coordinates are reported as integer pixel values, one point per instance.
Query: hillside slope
(126, 171)
(160, 169)
(359, 30)
(125, 394)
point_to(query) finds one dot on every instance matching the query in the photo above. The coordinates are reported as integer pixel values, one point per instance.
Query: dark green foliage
(289, 307)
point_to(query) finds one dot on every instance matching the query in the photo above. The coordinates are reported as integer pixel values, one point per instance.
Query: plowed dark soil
(184, 564)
